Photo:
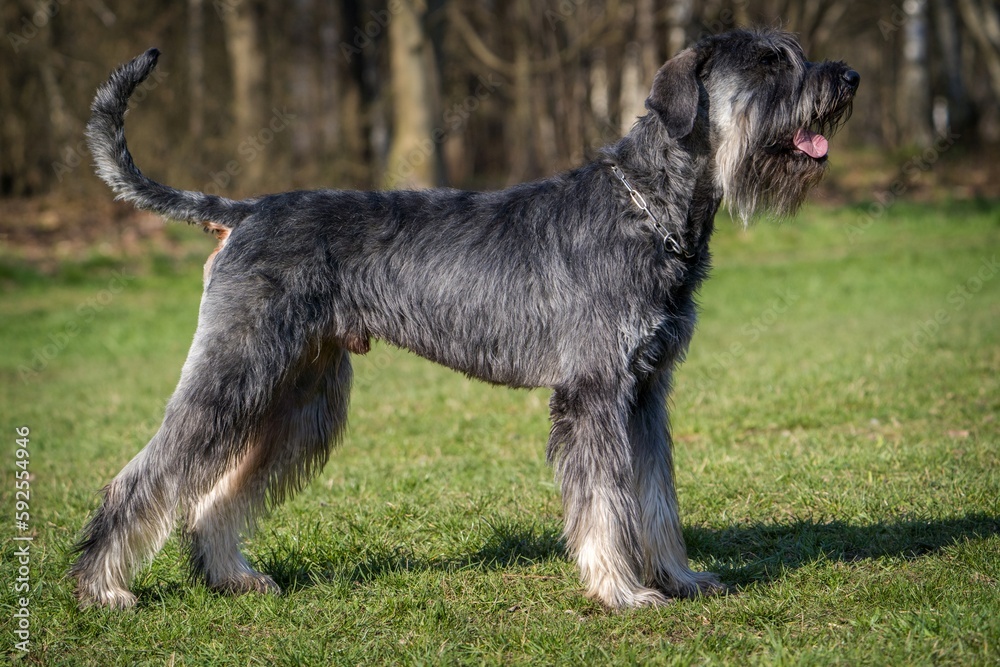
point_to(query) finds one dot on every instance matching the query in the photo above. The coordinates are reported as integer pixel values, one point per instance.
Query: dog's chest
(663, 332)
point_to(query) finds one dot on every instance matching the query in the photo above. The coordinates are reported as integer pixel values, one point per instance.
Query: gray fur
(561, 283)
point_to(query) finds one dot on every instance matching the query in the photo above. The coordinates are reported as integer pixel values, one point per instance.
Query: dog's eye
(769, 59)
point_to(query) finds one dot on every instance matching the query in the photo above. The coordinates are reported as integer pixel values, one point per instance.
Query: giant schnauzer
(583, 282)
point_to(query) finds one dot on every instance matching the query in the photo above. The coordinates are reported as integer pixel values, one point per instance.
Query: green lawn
(838, 458)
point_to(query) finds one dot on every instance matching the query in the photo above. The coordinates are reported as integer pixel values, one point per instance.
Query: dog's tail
(106, 139)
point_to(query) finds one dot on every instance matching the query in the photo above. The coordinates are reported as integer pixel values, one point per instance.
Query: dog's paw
(692, 584)
(627, 598)
(112, 598)
(247, 582)
(648, 597)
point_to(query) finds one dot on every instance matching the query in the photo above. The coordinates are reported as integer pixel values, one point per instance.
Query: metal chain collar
(669, 240)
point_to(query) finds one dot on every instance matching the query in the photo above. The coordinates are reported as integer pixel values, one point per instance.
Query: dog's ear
(674, 96)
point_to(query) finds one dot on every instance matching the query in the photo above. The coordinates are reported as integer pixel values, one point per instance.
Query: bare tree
(680, 16)
(914, 99)
(303, 83)
(246, 60)
(413, 152)
(983, 22)
(196, 71)
(365, 81)
(950, 41)
(641, 58)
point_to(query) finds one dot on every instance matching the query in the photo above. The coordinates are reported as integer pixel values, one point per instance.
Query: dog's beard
(773, 173)
(773, 181)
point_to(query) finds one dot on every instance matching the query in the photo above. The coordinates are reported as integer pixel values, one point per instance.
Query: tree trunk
(413, 153)
(950, 39)
(640, 64)
(344, 96)
(983, 23)
(196, 74)
(522, 154)
(246, 58)
(632, 98)
(645, 34)
(914, 110)
(303, 85)
(681, 14)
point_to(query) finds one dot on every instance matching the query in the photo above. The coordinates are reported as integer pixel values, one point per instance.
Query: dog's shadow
(741, 555)
(504, 544)
(763, 553)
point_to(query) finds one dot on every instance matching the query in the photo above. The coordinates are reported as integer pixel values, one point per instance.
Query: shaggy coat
(567, 283)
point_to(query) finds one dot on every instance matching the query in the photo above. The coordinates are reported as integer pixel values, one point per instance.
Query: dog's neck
(666, 171)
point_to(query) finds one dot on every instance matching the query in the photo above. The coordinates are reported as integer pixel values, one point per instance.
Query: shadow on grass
(743, 555)
(507, 544)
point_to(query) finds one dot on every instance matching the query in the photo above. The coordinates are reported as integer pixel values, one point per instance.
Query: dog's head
(764, 112)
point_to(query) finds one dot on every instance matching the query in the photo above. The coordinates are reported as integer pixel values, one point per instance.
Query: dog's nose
(852, 78)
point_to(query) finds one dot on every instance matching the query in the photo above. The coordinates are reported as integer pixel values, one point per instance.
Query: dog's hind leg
(590, 448)
(292, 444)
(664, 554)
(131, 525)
(215, 411)
(238, 368)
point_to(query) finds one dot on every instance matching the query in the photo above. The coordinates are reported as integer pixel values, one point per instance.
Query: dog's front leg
(589, 446)
(664, 555)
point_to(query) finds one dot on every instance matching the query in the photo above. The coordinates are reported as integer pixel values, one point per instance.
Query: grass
(838, 459)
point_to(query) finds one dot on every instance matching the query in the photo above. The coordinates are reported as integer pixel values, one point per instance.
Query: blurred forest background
(256, 95)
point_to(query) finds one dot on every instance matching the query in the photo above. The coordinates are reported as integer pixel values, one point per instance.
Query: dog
(583, 282)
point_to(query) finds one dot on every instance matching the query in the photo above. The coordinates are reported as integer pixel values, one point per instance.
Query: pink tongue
(810, 143)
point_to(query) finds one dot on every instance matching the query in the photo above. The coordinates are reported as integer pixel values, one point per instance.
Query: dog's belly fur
(373, 275)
